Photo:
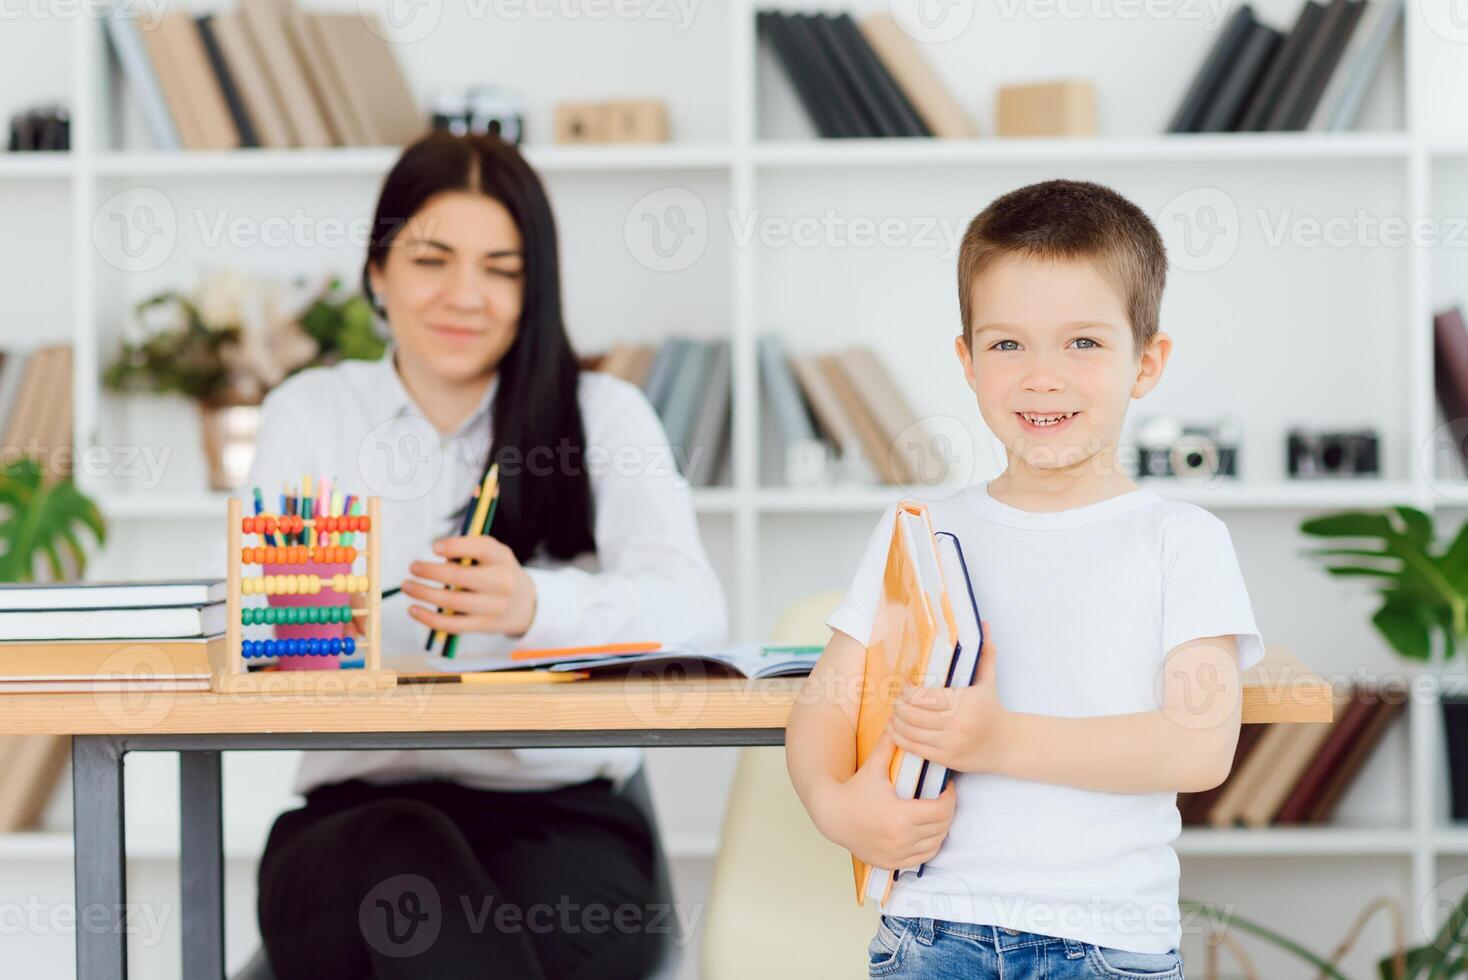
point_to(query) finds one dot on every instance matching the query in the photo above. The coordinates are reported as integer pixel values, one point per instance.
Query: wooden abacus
(231, 675)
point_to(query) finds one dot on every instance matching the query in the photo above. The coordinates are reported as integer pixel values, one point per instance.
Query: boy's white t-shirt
(1081, 605)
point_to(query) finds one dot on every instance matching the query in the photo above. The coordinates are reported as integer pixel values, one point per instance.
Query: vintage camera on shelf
(1352, 452)
(480, 110)
(42, 128)
(1169, 448)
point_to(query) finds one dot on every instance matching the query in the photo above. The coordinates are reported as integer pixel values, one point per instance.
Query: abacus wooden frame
(227, 669)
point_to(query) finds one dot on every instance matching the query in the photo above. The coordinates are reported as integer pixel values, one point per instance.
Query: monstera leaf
(1422, 587)
(37, 517)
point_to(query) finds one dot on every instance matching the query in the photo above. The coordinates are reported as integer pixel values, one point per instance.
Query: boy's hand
(958, 727)
(864, 815)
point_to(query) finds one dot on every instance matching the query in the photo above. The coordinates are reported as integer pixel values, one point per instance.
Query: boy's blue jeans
(906, 947)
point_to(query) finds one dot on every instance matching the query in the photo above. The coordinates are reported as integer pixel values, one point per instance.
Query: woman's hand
(494, 596)
(958, 727)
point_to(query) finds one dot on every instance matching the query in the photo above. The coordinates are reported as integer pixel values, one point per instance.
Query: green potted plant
(43, 519)
(1423, 584)
(228, 342)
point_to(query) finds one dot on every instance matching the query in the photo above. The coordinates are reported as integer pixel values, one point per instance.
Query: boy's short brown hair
(1070, 219)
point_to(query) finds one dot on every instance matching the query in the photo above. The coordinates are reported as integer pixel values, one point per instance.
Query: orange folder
(913, 620)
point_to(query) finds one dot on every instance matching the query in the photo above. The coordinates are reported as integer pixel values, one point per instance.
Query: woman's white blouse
(649, 579)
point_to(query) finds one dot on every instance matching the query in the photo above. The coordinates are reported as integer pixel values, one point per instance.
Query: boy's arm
(820, 735)
(1186, 746)
(856, 808)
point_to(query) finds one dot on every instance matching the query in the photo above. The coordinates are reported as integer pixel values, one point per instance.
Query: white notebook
(157, 623)
(112, 595)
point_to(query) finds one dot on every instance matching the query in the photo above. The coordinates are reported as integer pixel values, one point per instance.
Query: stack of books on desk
(97, 636)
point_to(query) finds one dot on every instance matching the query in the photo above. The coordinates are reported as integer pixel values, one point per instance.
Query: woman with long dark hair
(502, 863)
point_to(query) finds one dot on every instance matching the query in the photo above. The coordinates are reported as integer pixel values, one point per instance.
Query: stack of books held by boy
(99, 636)
(926, 633)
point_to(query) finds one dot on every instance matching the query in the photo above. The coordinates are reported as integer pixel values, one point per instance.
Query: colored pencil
(464, 525)
(497, 677)
(481, 527)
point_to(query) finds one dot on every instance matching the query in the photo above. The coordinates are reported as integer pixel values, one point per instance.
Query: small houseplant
(1423, 584)
(227, 343)
(43, 519)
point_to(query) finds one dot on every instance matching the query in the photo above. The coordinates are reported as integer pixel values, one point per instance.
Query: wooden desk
(673, 710)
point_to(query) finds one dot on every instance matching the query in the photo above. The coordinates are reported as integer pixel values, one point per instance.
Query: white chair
(782, 902)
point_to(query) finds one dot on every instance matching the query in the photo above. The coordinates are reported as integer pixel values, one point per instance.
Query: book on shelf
(1304, 87)
(1450, 368)
(36, 405)
(1291, 774)
(860, 80)
(794, 453)
(1225, 107)
(843, 407)
(30, 768)
(1210, 77)
(1277, 73)
(689, 383)
(265, 74)
(1255, 78)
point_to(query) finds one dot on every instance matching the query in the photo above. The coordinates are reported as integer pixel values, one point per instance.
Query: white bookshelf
(1279, 333)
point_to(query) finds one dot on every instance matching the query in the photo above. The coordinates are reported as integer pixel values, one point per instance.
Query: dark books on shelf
(860, 80)
(1450, 367)
(1305, 85)
(1255, 78)
(1210, 77)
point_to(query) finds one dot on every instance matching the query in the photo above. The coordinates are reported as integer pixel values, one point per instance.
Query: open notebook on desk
(751, 660)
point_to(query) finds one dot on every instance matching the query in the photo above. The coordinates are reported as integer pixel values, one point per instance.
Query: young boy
(1116, 624)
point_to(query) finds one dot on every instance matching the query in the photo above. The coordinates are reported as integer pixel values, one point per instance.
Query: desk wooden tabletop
(1279, 688)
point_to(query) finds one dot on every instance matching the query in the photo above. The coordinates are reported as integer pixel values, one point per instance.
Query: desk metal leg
(101, 878)
(201, 864)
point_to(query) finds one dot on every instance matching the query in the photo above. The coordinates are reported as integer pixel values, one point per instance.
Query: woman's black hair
(539, 439)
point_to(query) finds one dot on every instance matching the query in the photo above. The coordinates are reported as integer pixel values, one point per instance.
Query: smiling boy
(1116, 625)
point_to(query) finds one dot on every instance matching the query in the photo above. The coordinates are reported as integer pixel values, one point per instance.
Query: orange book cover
(903, 633)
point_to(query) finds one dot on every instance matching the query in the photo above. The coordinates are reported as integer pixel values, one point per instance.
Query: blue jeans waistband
(1000, 937)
